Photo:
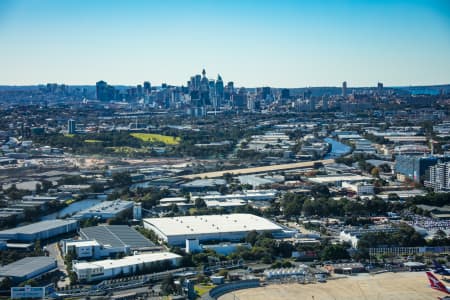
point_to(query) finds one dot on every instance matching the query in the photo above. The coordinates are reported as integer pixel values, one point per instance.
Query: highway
(256, 170)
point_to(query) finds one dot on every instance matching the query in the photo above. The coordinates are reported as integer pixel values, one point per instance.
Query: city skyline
(288, 44)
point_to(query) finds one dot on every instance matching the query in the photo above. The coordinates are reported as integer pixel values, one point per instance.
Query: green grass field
(92, 141)
(202, 289)
(153, 137)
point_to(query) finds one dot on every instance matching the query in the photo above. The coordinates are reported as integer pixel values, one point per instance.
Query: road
(255, 170)
(53, 251)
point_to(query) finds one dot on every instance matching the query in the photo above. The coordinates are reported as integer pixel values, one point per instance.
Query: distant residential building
(439, 178)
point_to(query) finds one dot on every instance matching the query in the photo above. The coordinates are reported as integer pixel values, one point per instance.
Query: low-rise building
(359, 188)
(106, 241)
(28, 268)
(232, 227)
(129, 265)
(39, 231)
(106, 210)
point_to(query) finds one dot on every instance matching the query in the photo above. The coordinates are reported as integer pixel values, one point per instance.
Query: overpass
(255, 170)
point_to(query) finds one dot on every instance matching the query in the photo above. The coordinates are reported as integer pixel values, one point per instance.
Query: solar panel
(117, 236)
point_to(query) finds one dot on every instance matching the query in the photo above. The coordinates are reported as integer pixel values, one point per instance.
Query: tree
(334, 252)
(168, 285)
(375, 172)
(6, 283)
(38, 248)
(320, 190)
(251, 237)
(200, 203)
(122, 179)
(292, 204)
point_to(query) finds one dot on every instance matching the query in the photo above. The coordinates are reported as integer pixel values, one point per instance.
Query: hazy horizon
(292, 44)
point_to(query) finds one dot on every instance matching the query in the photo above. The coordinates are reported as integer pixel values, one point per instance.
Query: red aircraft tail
(435, 283)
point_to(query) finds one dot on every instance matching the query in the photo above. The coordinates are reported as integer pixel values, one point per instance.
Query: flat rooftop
(254, 170)
(25, 266)
(38, 226)
(331, 179)
(212, 224)
(116, 236)
(106, 207)
(127, 260)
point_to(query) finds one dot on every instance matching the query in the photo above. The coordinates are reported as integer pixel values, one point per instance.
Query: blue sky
(278, 43)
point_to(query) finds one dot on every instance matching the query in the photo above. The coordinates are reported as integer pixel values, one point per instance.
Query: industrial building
(129, 265)
(338, 179)
(104, 241)
(39, 231)
(27, 268)
(359, 188)
(105, 210)
(232, 227)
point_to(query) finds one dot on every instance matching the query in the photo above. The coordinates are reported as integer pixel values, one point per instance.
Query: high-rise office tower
(344, 89)
(219, 86)
(71, 127)
(204, 89)
(102, 90)
(380, 88)
(139, 90)
(147, 87)
(285, 94)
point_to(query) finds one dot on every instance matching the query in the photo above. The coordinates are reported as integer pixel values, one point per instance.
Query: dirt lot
(398, 286)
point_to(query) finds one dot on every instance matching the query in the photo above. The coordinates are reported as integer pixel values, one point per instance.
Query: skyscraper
(71, 127)
(285, 94)
(105, 92)
(344, 89)
(219, 91)
(380, 88)
(101, 90)
(204, 89)
(147, 88)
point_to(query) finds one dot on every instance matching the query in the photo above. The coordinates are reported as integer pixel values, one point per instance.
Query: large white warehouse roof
(211, 224)
(127, 261)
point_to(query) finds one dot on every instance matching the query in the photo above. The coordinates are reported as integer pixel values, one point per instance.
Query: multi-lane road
(255, 170)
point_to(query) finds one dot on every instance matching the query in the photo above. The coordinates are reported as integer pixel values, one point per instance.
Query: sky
(280, 43)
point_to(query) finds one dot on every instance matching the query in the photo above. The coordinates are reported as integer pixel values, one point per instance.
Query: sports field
(153, 137)
(398, 286)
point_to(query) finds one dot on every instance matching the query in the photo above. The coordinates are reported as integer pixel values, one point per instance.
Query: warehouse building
(106, 210)
(104, 241)
(233, 227)
(129, 265)
(28, 268)
(39, 231)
